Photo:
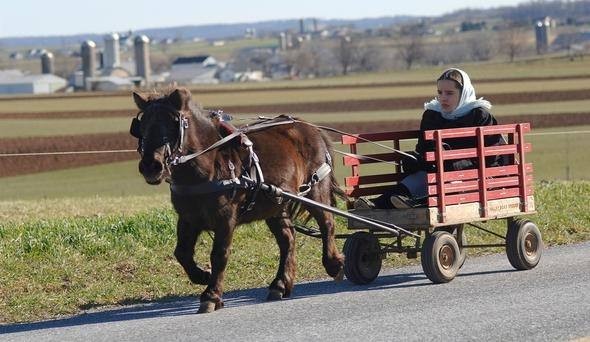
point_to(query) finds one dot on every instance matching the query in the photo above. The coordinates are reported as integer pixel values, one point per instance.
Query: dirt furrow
(329, 106)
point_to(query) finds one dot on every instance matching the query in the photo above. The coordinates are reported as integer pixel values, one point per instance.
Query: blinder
(134, 129)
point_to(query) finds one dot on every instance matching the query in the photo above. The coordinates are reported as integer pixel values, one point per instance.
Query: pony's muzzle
(152, 167)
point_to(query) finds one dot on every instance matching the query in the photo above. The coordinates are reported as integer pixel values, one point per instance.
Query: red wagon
(456, 199)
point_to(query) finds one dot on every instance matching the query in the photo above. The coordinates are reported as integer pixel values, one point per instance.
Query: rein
(238, 132)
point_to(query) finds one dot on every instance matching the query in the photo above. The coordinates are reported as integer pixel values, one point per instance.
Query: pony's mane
(162, 95)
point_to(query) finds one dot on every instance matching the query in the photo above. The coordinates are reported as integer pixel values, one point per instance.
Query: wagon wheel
(440, 257)
(363, 258)
(524, 244)
(453, 230)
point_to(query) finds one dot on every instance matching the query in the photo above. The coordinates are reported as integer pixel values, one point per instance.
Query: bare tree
(412, 49)
(346, 53)
(370, 58)
(253, 59)
(481, 46)
(311, 59)
(512, 41)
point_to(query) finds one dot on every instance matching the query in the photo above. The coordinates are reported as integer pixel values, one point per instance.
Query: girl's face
(448, 95)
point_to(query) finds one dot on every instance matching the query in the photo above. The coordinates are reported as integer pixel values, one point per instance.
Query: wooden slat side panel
(472, 174)
(471, 131)
(387, 157)
(473, 185)
(467, 153)
(379, 136)
(454, 176)
(474, 196)
(373, 179)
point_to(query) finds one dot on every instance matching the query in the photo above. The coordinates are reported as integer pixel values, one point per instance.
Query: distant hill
(212, 31)
(574, 11)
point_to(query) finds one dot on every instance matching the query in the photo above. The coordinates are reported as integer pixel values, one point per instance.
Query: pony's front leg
(282, 285)
(211, 297)
(186, 239)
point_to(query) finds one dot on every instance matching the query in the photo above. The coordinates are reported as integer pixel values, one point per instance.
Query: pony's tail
(335, 190)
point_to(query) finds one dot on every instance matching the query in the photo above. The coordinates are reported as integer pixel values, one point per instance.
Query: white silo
(282, 41)
(142, 57)
(112, 55)
(88, 52)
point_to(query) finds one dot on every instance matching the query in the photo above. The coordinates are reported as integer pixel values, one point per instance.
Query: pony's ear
(180, 99)
(140, 101)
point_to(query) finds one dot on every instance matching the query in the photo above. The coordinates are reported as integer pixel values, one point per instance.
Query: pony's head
(157, 126)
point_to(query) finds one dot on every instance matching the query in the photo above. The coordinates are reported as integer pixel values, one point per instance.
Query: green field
(117, 179)
(17, 128)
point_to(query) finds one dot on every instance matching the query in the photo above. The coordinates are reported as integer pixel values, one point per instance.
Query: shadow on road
(189, 305)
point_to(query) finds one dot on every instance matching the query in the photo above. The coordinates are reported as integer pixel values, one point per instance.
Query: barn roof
(191, 60)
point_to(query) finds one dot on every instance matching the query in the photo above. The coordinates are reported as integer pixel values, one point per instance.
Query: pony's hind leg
(332, 259)
(283, 231)
(186, 239)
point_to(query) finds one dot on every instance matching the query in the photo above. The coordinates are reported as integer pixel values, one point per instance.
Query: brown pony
(289, 154)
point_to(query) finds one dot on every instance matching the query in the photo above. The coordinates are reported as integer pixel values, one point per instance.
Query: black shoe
(404, 202)
(363, 203)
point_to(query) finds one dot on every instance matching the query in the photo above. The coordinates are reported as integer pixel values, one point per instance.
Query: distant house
(31, 84)
(194, 70)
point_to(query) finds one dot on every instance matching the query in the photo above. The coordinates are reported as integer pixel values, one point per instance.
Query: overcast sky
(66, 17)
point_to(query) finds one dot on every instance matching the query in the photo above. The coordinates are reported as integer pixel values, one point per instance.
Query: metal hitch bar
(278, 192)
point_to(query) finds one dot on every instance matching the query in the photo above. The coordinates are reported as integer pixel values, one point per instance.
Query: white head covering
(467, 102)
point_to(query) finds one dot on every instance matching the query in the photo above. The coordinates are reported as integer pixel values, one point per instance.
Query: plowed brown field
(12, 166)
(19, 165)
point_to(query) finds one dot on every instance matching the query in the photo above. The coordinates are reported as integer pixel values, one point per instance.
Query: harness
(250, 179)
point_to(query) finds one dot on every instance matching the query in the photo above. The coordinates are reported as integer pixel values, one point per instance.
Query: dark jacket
(432, 120)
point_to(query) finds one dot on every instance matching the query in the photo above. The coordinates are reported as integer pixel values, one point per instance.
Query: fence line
(62, 153)
(127, 151)
(556, 133)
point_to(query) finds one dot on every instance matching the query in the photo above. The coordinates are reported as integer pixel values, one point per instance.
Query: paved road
(488, 301)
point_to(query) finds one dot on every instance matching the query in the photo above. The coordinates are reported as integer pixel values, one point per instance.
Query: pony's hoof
(340, 276)
(274, 295)
(209, 306)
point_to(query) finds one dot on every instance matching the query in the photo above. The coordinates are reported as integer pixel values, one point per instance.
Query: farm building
(194, 70)
(18, 83)
(111, 83)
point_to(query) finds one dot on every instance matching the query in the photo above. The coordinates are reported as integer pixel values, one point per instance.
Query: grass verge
(61, 265)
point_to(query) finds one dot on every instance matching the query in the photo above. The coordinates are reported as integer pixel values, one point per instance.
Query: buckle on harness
(321, 173)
